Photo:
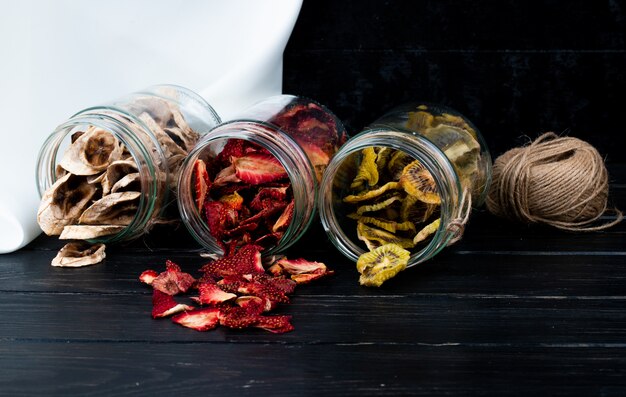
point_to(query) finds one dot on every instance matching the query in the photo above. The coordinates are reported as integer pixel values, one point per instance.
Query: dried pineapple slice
(381, 264)
(370, 194)
(427, 231)
(418, 182)
(368, 172)
(378, 206)
(374, 238)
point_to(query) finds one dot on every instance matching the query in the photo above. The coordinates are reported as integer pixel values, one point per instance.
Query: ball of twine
(559, 181)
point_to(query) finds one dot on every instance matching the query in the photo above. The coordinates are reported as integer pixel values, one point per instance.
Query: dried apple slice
(78, 254)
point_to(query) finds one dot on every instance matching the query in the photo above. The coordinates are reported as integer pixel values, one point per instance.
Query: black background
(515, 68)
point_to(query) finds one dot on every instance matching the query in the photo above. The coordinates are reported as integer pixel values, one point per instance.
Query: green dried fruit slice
(381, 264)
(370, 194)
(412, 209)
(378, 206)
(397, 162)
(368, 172)
(418, 182)
(427, 231)
(388, 225)
(374, 237)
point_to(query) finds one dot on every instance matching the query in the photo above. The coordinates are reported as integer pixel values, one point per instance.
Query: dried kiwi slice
(381, 264)
(368, 172)
(374, 237)
(397, 162)
(386, 224)
(420, 120)
(382, 157)
(418, 182)
(427, 231)
(370, 194)
(378, 206)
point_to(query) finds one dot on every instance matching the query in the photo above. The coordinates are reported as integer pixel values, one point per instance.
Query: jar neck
(453, 204)
(293, 159)
(140, 143)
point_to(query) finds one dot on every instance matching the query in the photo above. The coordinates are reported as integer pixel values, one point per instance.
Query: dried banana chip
(427, 231)
(184, 131)
(378, 206)
(388, 225)
(370, 194)
(130, 182)
(374, 238)
(114, 209)
(169, 146)
(420, 120)
(91, 153)
(418, 182)
(85, 232)
(367, 172)
(79, 255)
(116, 171)
(381, 264)
(63, 203)
(59, 171)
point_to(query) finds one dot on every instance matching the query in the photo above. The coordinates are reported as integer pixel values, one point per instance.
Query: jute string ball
(559, 181)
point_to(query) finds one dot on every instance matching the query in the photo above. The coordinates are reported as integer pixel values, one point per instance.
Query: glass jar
(125, 156)
(445, 144)
(291, 135)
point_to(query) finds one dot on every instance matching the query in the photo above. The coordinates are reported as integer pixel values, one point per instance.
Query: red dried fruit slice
(284, 219)
(268, 195)
(199, 319)
(246, 227)
(303, 271)
(239, 317)
(202, 182)
(275, 324)
(226, 175)
(233, 147)
(256, 168)
(276, 270)
(305, 278)
(173, 281)
(212, 294)
(252, 303)
(218, 217)
(246, 260)
(164, 305)
(148, 276)
(265, 213)
(282, 284)
(264, 291)
(269, 239)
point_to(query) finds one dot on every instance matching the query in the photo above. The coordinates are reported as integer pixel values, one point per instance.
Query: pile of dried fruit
(98, 188)
(235, 291)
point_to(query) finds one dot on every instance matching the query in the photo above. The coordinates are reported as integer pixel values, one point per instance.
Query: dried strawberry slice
(305, 278)
(276, 270)
(148, 276)
(275, 324)
(235, 148)
(256, 168)
(246, 227)
(218, 217)
(246, 260)
(164, 305)
(265, 213)
(284, 219)
(202, 182)
(264, 291)
(173, 281)
(303, 271)
(240, 317)
(199, 319)
(284, 285)
(267, 195)
(226, 175)
(212, 294)
(269, 239)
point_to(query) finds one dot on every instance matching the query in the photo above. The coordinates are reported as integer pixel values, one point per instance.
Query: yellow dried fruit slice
(374, 237)
(382, 157)
(414, 210)
(368, 172)
(420, 120)
(381, 264)
(455, 121)
(427, 231)
(370, 194)
(388, 225)
(397, 162)
(378, 206)
(418, 182)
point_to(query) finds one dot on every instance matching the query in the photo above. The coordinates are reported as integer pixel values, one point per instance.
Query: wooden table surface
(509, 310)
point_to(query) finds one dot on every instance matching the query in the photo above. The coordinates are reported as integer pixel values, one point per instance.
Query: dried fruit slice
(257, 168)
(418, 182)
(455, 121)
(91, 153)
(284, 219)
(212, 294)
(378, 206)
(130, 182)
(246, 260)
(318, 158)
(114, 209)
(86, 232)
(240, 317)
(390, 226)
(148, 276)
(201, 182)
(381, 264)
(268, 195)
(397, 162)
(420, 120)
(226, 175)
(303, 271)
(374, 237)
(79, 254)
(173, 281)
(383, 154)
(275, 324)
(116, 171)
(427, 231)
(164, 305)
(370, 194)
(367, 172)
(233, 200)
(199, 319)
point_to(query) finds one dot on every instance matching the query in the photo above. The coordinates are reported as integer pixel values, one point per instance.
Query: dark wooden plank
(95, 369)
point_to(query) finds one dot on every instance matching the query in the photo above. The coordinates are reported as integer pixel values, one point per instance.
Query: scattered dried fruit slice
(257, 168)
(164, 305)
(303, 271)
(212, 294)
(202, 182)
(367, 172)
(240, 316)
(371, 194)
(381, 264)
(199, 319)
(78, 254)
(275, 324)
(418, 181)
(148, 276)
(85, 232)
(247, 260)
(173, 281)
(374, 237)
(427, 231)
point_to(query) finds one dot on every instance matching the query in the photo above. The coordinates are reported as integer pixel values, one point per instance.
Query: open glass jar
(254, 179)
(410, 179)
(106, 173)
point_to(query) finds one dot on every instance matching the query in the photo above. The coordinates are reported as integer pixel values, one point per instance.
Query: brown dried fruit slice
(130, 182)
(367, 172)
(164, 305)
(427, 231)
(377, 206)
(79, 254)
(86, 232)
(116, 171)
(418, 182)
(91, 153)
(381, 264)
(420, 120)
(201, 182)
(374, 237)
(173, 281)
(199, 319)
(390, 226)
(114, 209)
(370, 194)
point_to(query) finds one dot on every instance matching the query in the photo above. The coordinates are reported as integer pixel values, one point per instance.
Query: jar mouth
(333, 189)
(282, 147)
